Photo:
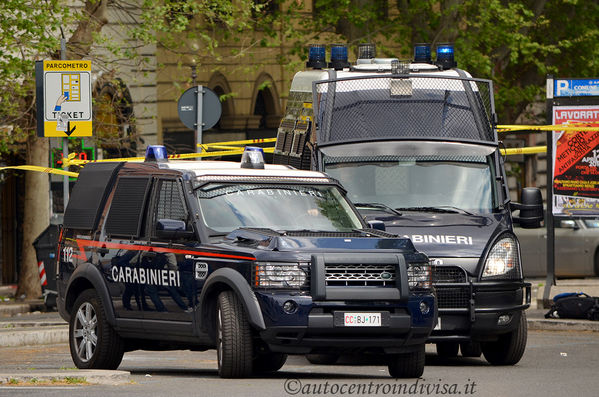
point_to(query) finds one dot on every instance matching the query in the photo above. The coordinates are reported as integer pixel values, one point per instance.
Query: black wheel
(509, 348)
(233, 337)
(407, 365)
(94, 343)
(447, 349)
(269, 362)
(322, 359)
(470, 349)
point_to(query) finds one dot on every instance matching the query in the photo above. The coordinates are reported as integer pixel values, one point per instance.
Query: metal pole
(549, 221)
(65, 141)
(199, 122)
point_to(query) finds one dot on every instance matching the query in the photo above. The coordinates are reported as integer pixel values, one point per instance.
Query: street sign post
(199, 109)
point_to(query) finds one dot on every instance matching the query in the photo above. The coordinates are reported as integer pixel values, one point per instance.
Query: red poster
(576, 162)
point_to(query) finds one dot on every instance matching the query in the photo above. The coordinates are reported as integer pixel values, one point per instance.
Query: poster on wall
(576, 162)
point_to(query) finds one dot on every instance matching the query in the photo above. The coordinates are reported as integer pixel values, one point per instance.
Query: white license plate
(362, 319)
(438, 326)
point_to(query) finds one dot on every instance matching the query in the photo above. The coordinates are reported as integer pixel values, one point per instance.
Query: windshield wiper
(446, 209)
(379, 206)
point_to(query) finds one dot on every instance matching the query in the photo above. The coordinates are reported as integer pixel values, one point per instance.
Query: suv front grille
(451, 297)
(359, 275)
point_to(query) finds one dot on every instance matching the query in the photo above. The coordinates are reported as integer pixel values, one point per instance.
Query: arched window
(114, 128)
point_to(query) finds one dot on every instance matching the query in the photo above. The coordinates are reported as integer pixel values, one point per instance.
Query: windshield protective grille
(382, 107)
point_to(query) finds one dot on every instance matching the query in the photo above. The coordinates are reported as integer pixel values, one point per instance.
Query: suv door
(170, 282)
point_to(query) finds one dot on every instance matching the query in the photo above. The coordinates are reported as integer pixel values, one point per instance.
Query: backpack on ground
(574, 305)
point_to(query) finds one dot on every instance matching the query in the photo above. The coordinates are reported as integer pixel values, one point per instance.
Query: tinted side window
(126, 210)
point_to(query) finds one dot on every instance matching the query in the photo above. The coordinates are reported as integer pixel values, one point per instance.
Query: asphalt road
(555, 364)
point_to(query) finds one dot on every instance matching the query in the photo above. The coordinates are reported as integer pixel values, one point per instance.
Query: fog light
(290, 307)
(424, 308)
(504, 319)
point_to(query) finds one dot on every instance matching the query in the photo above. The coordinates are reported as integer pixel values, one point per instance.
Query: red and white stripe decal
(82, 243)
(42, 272)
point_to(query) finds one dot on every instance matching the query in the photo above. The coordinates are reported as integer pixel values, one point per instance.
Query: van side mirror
(172, 229)
(531, 208)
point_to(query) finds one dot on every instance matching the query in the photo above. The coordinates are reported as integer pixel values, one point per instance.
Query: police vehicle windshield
(226, 207)
(420, 182)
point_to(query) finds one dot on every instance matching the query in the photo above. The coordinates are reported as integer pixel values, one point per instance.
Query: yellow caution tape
(555, 127)
(41, 169)
(524, 150)
(73, 161)
(238, 143)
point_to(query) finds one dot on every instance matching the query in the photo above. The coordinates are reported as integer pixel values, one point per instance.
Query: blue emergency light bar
(316, 56)
(338, 57)
(156, 153)
(445, 56)
(422, 53)
(252, 157)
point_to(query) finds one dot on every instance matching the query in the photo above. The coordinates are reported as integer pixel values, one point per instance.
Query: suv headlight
(279, 275)
(503, 260)
(420, 276)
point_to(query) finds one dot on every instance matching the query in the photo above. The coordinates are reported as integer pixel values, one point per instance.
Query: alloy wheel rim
(85, 336)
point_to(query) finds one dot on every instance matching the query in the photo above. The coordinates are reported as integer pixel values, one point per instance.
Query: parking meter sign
(64, 98)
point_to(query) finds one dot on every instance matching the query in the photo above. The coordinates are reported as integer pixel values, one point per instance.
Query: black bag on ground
(574, 305)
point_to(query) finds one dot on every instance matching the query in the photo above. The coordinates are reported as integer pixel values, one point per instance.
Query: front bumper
(315, 326)
(475, 313)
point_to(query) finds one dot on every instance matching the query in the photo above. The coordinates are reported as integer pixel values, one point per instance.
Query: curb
(81, 377)
(13, 337)
(547, 324)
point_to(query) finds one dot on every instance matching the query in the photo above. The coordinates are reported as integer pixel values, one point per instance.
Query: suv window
(226, 207)
(127, 207)
(169, 202)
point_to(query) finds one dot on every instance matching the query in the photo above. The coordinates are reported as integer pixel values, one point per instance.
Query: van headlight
(503, 260)
(420, 276)
(279, 275)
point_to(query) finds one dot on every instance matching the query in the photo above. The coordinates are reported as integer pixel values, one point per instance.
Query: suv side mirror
(531, 208)
(172, 229)
(376, 224)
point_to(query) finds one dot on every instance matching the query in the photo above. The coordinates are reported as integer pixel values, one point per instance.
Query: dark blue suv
(257, 263)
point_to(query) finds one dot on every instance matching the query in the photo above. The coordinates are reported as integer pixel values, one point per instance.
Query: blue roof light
(422, 53)
(252, 157)
(156, 153)
(316, 56)
(445, 56)
(338, 57)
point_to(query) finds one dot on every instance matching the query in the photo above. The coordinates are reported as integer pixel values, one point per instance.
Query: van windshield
(229, 206)
(399, 182)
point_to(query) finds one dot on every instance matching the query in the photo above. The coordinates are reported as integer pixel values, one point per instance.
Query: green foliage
(29, 30)
(515, 43)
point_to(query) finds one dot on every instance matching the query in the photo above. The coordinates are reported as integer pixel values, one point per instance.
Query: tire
(407, 365)
(94, 344)
(233, 337)
(322, 359)
(269, 362)
(470, 349)
(447, 349)
(509, 348)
